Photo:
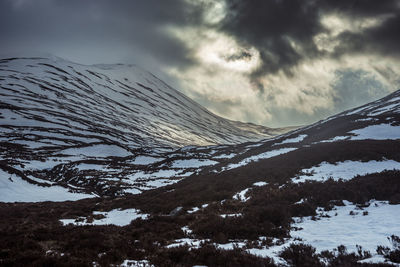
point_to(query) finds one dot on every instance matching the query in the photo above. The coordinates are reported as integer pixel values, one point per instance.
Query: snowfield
(368, 227)
(345, 170)
(342, 228)
(14, 189)
(292, 140)
(377, 132)
(97, 151)
(115, 217)
(192, 163)
(145, 160)
(346, 225)
(265, 155)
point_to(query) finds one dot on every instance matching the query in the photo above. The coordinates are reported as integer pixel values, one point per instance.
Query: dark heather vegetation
(209, 187)
(31, 234)
(392, 254)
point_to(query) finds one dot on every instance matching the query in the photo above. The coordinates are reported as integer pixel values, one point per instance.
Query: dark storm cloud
(384, 39)
(135, 28)
(242, 55)
(121, 28)
(273, 26)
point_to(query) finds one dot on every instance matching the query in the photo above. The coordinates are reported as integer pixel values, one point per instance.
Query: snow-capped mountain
(101, 126)
(109, 103)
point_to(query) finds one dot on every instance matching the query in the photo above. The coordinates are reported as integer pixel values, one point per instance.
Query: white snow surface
(136, 263)
(192, 163)
(345, 170)
(231, 215)
(19, 190)
(377, 132)
(265, 155)
(98, 151)
(241, 196)
(145, 160)
(260, 184)
(341, 228)
(334, 139)
(225, 156)
(86, 166)
(117, 217)
(296, 139)
(384, 109)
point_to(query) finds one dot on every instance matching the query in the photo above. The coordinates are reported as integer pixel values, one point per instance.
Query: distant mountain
(56, 116)
(110, 103)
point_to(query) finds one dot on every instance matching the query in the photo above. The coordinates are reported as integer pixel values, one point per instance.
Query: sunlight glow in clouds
(221, 79)
(276, 63)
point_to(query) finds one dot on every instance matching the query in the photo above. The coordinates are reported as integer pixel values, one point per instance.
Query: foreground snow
(344, 225)
(115, 217)
(15, 189)
(344, 170)
(136, 263)
(342, 228)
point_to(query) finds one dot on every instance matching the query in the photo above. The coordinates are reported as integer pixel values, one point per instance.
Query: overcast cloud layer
(272, 62)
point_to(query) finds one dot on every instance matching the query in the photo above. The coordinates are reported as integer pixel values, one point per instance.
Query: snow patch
(136, 263)
(297, 139)
(145, 160)
(265, 155)
(241, 196)
(97, 151)
(225, 156)
(384, 109)
(14, 189)
(231, 215)
(344, 170)
(260, 184)
(192, 163)
(117, 217)
(342, 228)
(377, 132)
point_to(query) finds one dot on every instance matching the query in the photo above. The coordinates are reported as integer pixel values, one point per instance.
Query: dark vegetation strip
(30, 233)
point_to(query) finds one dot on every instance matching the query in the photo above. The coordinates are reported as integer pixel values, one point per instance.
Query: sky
(270, 62)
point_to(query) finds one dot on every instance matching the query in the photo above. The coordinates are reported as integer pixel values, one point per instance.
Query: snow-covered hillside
(107, 103)
(116, 129)
(101, 126)
(378, 120)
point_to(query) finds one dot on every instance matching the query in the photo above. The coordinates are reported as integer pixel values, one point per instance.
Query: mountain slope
(96, 128)
(332, 183)
(109, 103)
